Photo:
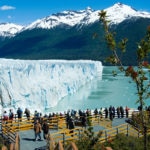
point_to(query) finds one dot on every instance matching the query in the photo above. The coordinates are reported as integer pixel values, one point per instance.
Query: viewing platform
(58, 131)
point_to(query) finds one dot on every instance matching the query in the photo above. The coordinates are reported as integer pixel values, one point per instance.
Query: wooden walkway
(63, 135)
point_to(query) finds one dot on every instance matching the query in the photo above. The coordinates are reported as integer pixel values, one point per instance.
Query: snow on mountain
(9, 29)
(119, 12)
(41, 84)
(116, 14)
(69, 18)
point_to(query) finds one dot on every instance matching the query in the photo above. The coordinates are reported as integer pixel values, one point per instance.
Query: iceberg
(41, 84)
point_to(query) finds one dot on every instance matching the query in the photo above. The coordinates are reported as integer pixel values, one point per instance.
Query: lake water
(115, 91)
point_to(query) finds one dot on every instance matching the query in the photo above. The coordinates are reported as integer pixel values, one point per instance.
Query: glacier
(41, 84)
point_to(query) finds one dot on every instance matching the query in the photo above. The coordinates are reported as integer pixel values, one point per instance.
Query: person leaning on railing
(11, 115)
(5, 116)
(27, 112)
(19, 113)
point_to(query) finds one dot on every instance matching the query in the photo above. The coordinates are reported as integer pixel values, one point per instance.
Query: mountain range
(74, 35)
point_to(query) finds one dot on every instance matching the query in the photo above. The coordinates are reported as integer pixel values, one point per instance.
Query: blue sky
(24, 12)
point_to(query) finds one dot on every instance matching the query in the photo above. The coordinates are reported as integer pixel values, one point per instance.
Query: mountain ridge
(116, 14)
(80, 41)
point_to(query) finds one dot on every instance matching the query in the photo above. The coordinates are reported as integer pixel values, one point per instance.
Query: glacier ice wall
(41, 84)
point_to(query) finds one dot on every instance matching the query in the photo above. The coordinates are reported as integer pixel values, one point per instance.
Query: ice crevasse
(41, 84)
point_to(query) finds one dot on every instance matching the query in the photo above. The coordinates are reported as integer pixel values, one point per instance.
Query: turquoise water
(109, 90)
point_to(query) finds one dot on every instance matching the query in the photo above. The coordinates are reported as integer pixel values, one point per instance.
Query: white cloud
(6, 7)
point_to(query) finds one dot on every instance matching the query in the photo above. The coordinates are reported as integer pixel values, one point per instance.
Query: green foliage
(88, 140)
(3, 143)
(123, 142)
(86, 42)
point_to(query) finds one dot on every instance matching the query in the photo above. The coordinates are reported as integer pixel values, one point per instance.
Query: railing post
(63, 138)
(57, 122)
(60, 147)
(74, 147)
(17, 142)
(105, 135)
(138, 133)
(15, 117)
(98, 119)
(127, 130)
(117, 130)
(79, 134)
(18, 124)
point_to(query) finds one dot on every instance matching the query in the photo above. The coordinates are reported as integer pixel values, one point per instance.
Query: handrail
(72, 146)
(107, 134)
(50, 142)
(64, 135)
(8, 133)
(56, 122)
(13, 145)
(59, 146)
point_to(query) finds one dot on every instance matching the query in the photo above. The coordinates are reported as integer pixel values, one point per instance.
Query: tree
(137, 74)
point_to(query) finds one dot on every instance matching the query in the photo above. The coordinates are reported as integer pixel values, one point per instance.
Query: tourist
(87, 112)
(67, 120)
(36, 115)
(127, 111)
(45, 128)
(80, 113)
(106, 112)
(71, 126)
(73, 113)
(19, 113)
(83, 120)
(37, 130)
(77, 116)
(50, 115)
(122, 111)
(11, 115)
(111, 113)
(5, 116)
(27, 112)
(95, 112)
(118, 112)
(101, 113)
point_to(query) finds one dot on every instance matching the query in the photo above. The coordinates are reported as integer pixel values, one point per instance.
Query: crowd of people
(38, 127)
(109, 112)
(73, 117)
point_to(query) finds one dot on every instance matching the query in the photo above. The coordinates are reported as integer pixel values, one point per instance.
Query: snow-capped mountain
(119, 12)
(116, 14)
(69, 18)
(9, 29)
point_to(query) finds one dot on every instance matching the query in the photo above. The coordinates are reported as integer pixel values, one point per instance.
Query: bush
(3, 143)
(123, 142)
